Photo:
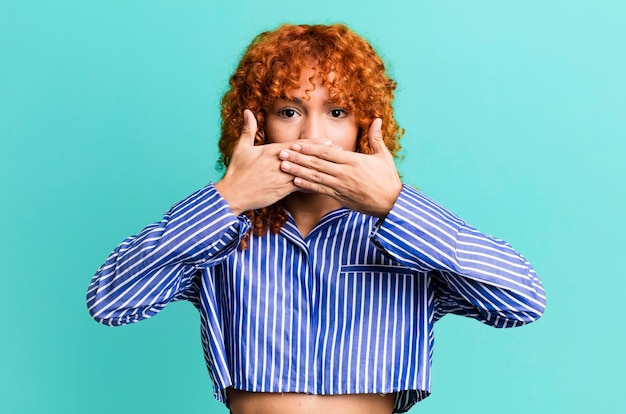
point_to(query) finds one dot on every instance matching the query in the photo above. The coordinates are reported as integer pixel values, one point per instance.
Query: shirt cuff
(209, 223)
(418, 232)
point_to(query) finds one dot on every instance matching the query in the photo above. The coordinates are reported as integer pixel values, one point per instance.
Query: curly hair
(272, 65)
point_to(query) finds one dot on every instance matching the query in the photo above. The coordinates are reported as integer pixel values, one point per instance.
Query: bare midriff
(245, 402)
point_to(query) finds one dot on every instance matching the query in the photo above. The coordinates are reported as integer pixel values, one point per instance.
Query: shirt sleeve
(473, 274)
(158, 265)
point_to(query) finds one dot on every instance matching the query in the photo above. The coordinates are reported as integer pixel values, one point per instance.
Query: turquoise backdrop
(515, 118)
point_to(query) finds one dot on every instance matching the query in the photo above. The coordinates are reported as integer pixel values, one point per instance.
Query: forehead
(312, 79)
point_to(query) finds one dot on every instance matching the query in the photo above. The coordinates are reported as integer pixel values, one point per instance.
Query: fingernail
(296, 147)
(285, 166)
(283, 155)
(297, 181)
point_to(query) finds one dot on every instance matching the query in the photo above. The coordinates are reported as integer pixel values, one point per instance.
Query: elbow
(526, 316)
(512, 318)
(103, 307)
(537, 312)
(97, 313)
(526, 307)
(113, 313)
(535, 306)
(102, 312)
(95, 305)
(109, 318)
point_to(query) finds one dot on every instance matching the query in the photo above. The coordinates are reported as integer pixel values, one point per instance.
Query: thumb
(248, 132)
(376, 137)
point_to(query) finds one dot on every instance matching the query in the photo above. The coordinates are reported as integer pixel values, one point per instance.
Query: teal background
(515, 118)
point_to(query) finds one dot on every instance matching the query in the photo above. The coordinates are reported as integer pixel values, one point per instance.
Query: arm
(474, 274)
(147, 271)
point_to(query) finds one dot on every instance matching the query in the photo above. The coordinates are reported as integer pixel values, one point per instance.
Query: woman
(317, 273)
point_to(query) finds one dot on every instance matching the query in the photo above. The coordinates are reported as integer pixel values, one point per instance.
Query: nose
(313, 127)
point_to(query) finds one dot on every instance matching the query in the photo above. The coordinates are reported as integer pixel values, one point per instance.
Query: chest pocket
(376, 269)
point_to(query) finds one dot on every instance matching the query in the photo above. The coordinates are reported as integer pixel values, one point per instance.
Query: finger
(323, 152)
(320, 141)
(248, 132)
(312, 187)
(317, 180)
(310, 173)
(278, 147)
(303, 165)
(377, 144)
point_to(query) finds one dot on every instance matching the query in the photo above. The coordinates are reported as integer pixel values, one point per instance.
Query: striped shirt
(348, 309)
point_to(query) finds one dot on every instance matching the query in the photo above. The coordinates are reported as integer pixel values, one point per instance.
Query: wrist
(230, 196)
(390, 200)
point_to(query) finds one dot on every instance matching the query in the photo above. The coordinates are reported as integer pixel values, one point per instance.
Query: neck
(307, 209)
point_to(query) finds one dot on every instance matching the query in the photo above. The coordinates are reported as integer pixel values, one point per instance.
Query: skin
(310, 161)
(243, 402)
(310, 164)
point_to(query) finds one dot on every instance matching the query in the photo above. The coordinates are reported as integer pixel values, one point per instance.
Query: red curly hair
(272, 65)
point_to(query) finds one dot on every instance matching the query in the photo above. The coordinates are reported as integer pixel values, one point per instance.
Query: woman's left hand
(368, 183)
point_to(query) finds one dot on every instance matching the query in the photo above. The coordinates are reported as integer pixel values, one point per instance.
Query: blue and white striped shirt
(348, 309)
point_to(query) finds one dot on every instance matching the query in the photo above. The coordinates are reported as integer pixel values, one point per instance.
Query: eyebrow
(299, 101)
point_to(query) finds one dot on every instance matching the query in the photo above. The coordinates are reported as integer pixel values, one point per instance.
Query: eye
(338, 113)
(287, 113)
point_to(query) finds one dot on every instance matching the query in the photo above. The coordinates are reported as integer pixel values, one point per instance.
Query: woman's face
(315, 117)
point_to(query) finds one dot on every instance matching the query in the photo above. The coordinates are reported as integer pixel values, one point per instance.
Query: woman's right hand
(253, 178)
